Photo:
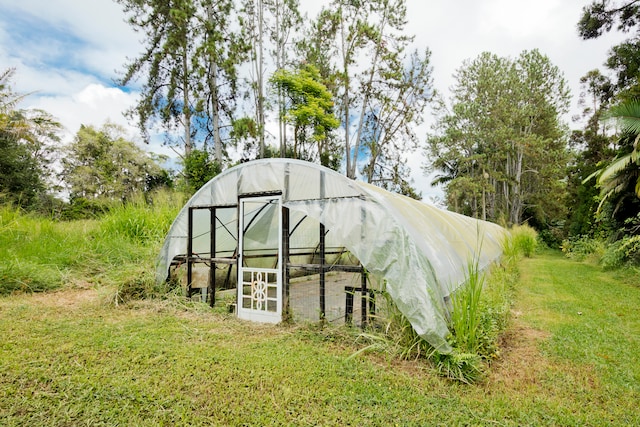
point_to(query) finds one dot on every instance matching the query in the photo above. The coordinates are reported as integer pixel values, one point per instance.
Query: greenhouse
(293, 240)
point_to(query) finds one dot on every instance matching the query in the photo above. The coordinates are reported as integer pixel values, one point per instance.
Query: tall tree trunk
(365, 103)
(260, 77)
(213, 94)
(186, 109)
(345, 96)
(516, 207)
(282, 128)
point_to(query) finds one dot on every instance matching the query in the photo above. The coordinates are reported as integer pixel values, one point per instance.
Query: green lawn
(570, 357)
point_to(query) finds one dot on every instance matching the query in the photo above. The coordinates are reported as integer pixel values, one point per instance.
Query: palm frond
(627, 114)
(614, 168)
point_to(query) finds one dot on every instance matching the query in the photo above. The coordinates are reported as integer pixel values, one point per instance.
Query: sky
(67, 53)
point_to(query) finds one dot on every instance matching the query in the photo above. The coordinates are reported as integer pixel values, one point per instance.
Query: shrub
(621, 252)
(524, 240)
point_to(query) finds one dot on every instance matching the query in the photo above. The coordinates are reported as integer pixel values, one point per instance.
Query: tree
(27, 142)
(220, 54)
(619, 180)
(189, 64)
(591, 146)
(379, 86)
(617, 171)
(101, 165)
(309, 110)
(400, 100)
(598, 18)
(276, 19)
(198, 169)
(503, 139)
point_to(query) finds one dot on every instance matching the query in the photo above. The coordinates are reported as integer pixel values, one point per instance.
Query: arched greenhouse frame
(307, 243)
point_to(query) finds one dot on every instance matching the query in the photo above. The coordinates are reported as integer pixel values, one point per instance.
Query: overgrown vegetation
(479, 314)
(604, 251)
(116, 251)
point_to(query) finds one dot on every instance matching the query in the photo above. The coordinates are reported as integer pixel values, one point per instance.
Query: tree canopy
(27, 142)
(102, 165)
(501, 148)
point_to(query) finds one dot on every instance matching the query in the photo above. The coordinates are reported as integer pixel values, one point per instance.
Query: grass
(67, 358)
(592, 318)
(39, 254)
(72, 357)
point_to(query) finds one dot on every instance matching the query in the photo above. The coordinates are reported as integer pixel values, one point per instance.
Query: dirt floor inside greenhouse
(304, 297)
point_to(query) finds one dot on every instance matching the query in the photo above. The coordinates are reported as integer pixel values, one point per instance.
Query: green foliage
(309, 109)
(621, 252)
(114, 251)
(198, 169)
(188, 66)
(37, 253)
(580, 248)
(480, 311)
(619, 179)
(462, 367)
(138, 222)
(505, 118)
(100, 164)
(396, 338)
(27, 141)
(523, 241)
(599, 18)
(609, 254)
(465, 313)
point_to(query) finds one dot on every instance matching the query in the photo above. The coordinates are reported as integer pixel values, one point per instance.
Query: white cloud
(92, 105)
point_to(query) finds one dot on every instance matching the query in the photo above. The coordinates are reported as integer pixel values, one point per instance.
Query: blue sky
(68, 52)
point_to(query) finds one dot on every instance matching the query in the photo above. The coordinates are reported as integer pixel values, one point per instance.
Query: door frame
(261, 280)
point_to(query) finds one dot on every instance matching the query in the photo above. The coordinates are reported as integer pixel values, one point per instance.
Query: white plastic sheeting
(422, 252)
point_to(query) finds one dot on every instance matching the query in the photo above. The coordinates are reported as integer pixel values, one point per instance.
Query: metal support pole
(285, 260)
(363, 299)
(212, 264)
(348, 304)
(322, 273)
(323, 260)
(189, 250)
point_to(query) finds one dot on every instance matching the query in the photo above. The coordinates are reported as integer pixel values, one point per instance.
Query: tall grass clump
(139, 221)
(465, 314)
(394, 334)
(522, 242)
(117, 250)
(479, 312)
(37, 253)
(127, 242)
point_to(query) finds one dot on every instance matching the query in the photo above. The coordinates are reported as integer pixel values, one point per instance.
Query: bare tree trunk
(516, 208)
(186, 110)
(260, 76)
(345, 96)
(352, 173)
(213, 93)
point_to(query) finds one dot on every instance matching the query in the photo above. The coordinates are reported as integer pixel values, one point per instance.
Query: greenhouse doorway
(260, 290)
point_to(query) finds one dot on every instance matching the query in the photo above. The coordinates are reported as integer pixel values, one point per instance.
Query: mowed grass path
(570, 357)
